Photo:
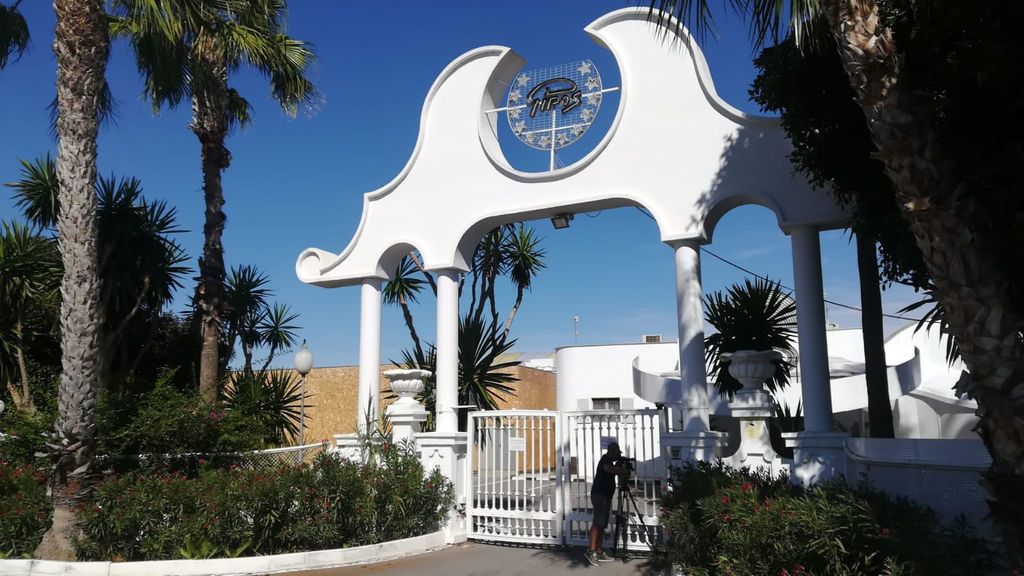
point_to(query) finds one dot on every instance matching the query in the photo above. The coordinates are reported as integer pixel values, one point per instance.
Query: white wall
(606, 371)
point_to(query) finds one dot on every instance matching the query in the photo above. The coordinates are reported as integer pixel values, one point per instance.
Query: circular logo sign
(550, 108)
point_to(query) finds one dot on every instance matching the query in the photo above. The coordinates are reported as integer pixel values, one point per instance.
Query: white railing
(942, 474)
(513, 476)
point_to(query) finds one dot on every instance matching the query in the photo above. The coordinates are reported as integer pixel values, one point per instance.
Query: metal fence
(192, 461)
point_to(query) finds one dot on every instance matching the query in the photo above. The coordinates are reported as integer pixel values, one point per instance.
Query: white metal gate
(638, 433)
(529, 473)
(513, 475)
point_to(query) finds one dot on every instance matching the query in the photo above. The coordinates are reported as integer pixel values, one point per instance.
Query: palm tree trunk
(512, 313)
(976, 294)
(210, 125)
(81, 46)
(412, 328)
(875, 374)
(26, 402)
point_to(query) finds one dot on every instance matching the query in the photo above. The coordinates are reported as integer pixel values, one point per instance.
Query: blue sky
(298, 182)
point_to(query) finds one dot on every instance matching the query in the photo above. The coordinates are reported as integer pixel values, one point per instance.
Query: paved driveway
(474, 559)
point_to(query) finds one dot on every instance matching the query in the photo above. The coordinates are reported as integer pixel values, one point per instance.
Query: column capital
(677, 243)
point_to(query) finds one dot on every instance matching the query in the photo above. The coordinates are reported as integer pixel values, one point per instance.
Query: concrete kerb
(275, 564)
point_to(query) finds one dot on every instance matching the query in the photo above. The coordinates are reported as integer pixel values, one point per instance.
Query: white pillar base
(348, 447)
(682, 447)
(405, 416)
(817, 456)
(753, 408)
(446, 451)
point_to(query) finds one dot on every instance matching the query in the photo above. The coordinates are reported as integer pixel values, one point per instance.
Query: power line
(781, 285)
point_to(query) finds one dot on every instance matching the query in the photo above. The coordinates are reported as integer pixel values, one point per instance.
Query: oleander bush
(332, 503)
(723, 522)
(25, 511)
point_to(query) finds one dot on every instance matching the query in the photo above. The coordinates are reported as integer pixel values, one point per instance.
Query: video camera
(628, 463)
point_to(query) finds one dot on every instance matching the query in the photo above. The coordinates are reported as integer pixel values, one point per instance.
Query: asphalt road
(473, 559)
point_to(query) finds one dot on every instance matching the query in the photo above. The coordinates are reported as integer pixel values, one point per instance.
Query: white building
(639, 375)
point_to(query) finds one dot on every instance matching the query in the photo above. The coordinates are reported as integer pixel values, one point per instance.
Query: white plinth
(406, 415)
(682, 447)
(753, 408)
(817, 456)
(446, 451)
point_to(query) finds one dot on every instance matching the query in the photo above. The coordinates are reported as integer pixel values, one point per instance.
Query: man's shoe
(602, 557)
(591, 557)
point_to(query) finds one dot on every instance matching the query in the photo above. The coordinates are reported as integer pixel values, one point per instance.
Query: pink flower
(745, 487)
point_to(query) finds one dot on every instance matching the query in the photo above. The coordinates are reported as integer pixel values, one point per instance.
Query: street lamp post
(303, 364)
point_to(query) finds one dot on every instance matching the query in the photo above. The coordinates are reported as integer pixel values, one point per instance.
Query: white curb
(232, 566)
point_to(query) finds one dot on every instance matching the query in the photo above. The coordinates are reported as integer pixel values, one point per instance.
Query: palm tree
(251, 321)
(524, 259)
(403, 289)
(187, 51)
(14, 35)
(979, 297)
(81, 46)
(29, 280)
(140, 261)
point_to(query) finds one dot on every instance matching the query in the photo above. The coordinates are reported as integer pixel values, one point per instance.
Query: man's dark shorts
(602, 508)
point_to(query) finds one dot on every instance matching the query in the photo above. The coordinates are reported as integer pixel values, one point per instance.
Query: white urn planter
(406, 383)
(752, 367)
(406, 414)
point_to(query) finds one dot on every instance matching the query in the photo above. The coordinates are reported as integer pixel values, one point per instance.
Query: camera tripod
(622, 513)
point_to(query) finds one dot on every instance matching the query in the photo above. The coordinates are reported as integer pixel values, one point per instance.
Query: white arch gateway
(674, 148)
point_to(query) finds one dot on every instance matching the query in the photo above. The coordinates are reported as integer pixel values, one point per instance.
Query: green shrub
(727, 522)
(24, 435)
(168, 421)
(226, 512)
(25, 511)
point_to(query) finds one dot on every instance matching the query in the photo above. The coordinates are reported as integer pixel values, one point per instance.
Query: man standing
(601, 497)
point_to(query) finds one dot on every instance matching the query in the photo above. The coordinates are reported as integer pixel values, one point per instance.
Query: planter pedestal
(753, 408)
(817, 456)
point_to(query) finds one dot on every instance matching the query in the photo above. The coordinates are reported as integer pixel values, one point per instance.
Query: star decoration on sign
(569, 97)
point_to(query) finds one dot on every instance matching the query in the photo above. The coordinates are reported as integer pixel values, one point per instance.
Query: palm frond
(523, 255)
(756, 315)
(405, 285)
(14, 34)
(769, 20)
(273, 398)
(36, 192)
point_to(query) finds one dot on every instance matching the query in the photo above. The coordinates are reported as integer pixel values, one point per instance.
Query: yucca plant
(483, 379)
(756, 315)
(272, 397)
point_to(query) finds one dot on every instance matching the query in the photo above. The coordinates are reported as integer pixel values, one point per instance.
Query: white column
(369, 351)
(810, 315)
(447, 392)
(690, 310)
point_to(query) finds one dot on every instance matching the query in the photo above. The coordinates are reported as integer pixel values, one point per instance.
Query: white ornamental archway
(712, 158)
